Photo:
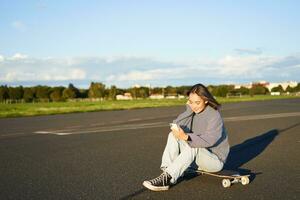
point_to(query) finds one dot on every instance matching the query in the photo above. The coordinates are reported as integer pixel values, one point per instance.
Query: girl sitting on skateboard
(199, 139)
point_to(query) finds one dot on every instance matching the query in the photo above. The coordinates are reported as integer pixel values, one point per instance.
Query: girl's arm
(187, 113)
(210, 137)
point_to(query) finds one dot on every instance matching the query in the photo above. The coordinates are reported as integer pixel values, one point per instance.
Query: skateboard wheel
(226, 183)
(245, 180)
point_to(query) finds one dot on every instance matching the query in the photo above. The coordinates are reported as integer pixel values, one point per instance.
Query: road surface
(107, 155)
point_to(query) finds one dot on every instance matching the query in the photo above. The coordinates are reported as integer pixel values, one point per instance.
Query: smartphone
(174, 126)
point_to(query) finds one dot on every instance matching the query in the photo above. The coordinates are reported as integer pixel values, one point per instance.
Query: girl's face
(196, 103)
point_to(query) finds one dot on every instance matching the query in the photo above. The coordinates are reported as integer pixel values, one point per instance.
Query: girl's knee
(215, 168)
(211, 166)
(209, 162)
(171, 136)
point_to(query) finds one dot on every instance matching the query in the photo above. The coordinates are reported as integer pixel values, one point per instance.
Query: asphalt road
(107, 155)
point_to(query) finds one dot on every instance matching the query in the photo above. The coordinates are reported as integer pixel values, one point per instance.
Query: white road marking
(134, 119)
(53, 132)
(62, 133)
(42, 132)
(116, 127)
(11, 135)
(266, 116)
(108, 129)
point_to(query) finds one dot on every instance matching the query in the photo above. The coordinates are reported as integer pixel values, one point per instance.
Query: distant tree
(112, 92)
(219, 91)
(258, 90)
(106, 93)
(120, 91)
(96, 90)
(170, 91)
(211, 88)
(134, 92)
(28, 94)
(157, 90)
(277, 89)
(243, 91)
(143, 92)
(297, 88)
(15, 93)
(222, 90)
(3, 93)
(71, 92)
(182, 90)
(56, 93)
(289, 89)
(42, 92)
(83, 93)
(293, 89)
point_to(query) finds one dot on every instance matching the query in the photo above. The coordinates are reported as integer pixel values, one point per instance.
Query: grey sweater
(206, 130)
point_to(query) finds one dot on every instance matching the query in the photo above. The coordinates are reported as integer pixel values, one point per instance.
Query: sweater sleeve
(210, 137)
(187, 113)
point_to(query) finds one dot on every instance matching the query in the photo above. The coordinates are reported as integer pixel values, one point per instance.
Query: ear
(206, 102)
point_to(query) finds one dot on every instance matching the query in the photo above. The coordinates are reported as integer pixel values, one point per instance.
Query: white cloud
(133, 75)
(78, 74)
(18, 56)
(124, 71)
(65, 74)
(239, 66)
(155, 74)
(18, 76)
(20, 67)
(228, 69)
(10, 76)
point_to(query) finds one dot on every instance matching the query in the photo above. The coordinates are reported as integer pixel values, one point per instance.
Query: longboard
(229, 177)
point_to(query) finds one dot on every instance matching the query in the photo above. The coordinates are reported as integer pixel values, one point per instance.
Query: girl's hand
(180, 134)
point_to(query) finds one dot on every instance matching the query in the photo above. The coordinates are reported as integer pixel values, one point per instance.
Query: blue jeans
(178, 156)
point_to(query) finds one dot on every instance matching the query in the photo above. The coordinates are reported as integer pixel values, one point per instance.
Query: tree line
(98, 90)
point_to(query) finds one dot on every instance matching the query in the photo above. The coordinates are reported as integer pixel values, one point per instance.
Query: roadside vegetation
(44, 100)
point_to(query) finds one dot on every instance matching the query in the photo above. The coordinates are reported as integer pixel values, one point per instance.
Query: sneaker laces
(163, 177)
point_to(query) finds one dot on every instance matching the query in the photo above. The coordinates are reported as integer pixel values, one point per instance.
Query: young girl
(200, 138)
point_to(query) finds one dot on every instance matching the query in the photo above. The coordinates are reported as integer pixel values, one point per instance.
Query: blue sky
(148, 42)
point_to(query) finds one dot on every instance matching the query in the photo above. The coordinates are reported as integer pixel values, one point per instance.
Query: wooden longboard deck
(229, 176)
(221, 174)
(224, 174)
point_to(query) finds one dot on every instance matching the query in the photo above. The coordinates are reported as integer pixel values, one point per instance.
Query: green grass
(33, 109)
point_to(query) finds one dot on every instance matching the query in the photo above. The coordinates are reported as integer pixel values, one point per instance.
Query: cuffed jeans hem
(173, 180)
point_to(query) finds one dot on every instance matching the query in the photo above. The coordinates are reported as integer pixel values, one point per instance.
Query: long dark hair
(203, 92)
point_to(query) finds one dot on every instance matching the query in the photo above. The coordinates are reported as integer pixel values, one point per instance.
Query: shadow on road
(249, 149)
(246, 151)
(242, 153)
(239, 155)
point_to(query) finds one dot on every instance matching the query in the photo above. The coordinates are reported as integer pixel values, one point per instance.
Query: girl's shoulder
(213, 113)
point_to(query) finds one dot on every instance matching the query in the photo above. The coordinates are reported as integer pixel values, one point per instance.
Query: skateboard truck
(227, 182)
(229, 177)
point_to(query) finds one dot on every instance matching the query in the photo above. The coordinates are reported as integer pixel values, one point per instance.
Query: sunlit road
(107, 155)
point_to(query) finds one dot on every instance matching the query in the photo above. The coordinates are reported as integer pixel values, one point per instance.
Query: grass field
(33, 109)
